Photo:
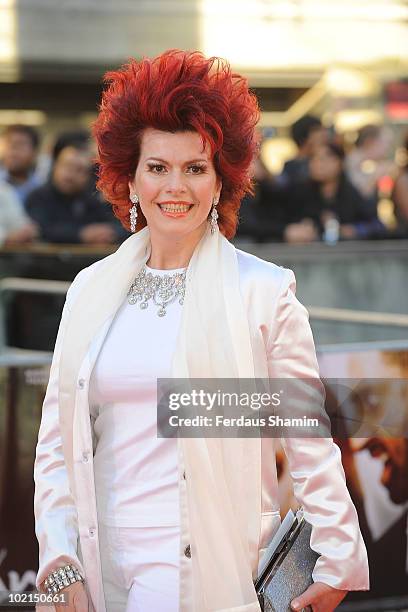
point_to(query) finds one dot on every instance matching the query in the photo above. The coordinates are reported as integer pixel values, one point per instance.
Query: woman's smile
(175, 209)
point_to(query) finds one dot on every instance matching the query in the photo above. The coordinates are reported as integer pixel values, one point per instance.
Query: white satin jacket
(283, 347)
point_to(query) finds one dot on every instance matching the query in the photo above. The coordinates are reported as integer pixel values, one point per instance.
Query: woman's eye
(194, 169)
(156, 168)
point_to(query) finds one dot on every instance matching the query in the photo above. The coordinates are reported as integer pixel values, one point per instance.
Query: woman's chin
(178, 228)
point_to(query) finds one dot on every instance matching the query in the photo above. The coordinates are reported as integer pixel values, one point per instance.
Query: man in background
(20, 150)
(368, 161)
(65, 208)
(308, 134)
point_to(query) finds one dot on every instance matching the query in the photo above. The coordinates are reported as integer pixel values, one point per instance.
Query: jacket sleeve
(56, 524)
(315, 463)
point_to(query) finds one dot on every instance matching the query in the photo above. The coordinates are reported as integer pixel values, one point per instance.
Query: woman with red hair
(127, 520)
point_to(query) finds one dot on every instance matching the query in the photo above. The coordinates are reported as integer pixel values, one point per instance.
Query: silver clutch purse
(287, 565)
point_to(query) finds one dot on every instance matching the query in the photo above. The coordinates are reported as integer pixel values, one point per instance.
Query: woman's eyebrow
(163, 161)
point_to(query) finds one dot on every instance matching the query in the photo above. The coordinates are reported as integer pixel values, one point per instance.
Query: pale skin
(174, 168)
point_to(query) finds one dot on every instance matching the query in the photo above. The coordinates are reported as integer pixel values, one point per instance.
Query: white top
(136, 473)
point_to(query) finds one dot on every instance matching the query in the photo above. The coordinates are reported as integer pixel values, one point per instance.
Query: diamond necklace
(161, 289)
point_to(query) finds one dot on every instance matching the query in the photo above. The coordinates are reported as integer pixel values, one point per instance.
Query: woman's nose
(176, 182)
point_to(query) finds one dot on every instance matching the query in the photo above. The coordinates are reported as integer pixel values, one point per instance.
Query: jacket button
(85, 457)
(187, 551)
(81, 383)
(92, 532)
(184, 475)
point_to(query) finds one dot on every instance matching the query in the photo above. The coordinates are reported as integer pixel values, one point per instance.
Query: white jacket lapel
(99, 300)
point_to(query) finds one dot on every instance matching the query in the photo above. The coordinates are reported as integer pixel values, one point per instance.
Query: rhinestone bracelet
(61, 578)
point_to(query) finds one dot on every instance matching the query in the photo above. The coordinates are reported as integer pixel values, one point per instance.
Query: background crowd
(330, 191)
(327, 192)
(56, 200)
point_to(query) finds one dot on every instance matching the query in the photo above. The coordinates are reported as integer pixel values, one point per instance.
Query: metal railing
(12, 356)
(54, 287)
(366, 317)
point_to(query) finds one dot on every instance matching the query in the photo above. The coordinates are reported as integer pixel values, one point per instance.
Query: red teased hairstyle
(177, 91)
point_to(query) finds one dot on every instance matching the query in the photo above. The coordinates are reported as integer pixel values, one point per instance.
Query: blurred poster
(21, 396)
(376, 465)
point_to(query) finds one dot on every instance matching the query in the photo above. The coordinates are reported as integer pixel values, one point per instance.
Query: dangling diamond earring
(214, 216)
(133, 212)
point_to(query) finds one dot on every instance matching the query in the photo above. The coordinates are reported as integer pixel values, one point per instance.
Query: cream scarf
(224, 475)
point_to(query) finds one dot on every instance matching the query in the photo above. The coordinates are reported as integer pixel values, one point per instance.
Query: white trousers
(140, 568)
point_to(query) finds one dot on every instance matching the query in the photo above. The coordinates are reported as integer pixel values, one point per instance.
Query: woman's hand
(76, 597)
(320, 597)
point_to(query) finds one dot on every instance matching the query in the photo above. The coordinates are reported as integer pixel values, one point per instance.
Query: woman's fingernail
(295, 605)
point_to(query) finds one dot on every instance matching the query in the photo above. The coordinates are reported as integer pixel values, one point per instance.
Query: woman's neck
(171, 253)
